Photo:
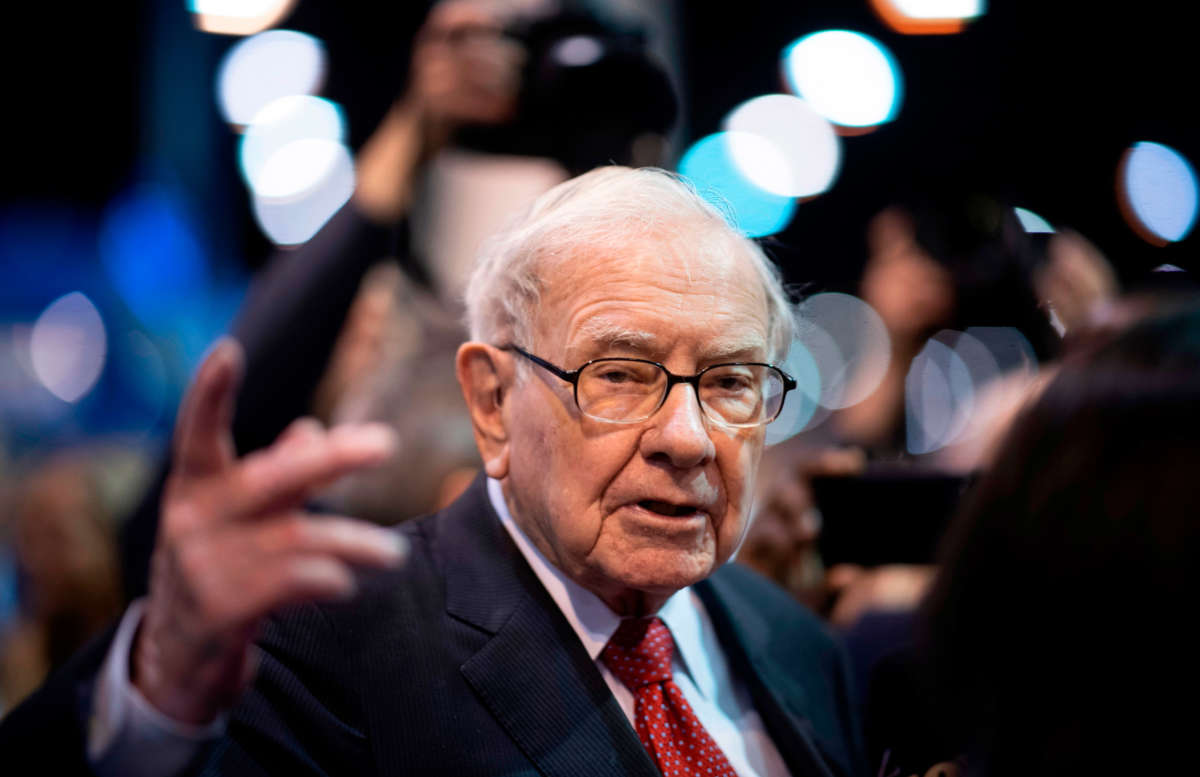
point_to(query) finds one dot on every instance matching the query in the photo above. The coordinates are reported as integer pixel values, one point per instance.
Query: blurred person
(1058, 631)
(942, 262)
(65, 553)
(509, 640)
(935, 262)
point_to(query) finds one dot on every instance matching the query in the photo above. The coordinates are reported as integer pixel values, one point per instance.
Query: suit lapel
(778, 695)
(532, 674)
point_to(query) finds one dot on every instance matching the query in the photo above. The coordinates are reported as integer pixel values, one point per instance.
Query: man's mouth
(667, 508)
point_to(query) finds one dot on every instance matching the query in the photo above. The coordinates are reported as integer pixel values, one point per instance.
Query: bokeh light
(950, 374)
(303, 185)
(801, 409)
(577, 51)
(1032, 223)
(1156, 187)
(265, 67)
(849, 343)
(152, 254)
(847, 77)
(1008, 347)
(709, 164)
(238, 17)
(67, 346)
(280, 123)
(938, 398)
(808, 150)
(928, 17)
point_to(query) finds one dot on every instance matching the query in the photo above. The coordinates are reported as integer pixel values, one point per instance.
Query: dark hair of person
(991, 259)
(1059, 628)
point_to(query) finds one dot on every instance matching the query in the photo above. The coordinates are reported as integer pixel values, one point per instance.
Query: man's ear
(486, 377)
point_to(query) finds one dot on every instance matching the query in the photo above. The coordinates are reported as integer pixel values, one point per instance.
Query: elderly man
(573, 612)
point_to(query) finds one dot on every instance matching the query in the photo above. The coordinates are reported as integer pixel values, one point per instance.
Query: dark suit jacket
(460, 663)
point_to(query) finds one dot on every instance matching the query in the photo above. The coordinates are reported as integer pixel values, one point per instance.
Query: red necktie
(639, 654)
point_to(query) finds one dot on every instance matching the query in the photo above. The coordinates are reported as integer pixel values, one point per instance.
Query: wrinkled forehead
(682, 277)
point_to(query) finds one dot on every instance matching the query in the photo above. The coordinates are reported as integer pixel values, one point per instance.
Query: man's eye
(730, 383)
(615, 376)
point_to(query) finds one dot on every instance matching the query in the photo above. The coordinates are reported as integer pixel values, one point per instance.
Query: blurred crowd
(983, 587)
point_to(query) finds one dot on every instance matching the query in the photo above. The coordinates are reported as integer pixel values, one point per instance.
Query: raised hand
(235, 543)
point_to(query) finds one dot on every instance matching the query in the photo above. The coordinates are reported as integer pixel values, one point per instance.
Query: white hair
(608, 207)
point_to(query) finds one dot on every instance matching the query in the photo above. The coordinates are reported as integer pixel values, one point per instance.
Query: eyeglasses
(626, 391)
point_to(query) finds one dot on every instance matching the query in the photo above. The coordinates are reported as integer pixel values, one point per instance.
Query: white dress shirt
(124, 729)
(699, 666)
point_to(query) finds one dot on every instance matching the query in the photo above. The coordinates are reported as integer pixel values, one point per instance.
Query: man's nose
(678, 431)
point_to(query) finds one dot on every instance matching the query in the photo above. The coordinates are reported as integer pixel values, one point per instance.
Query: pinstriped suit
(460, 663)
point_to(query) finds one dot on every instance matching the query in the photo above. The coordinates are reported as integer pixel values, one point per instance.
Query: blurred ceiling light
(1032, 222)
(577, 51)
(802, 410)
(928, 17)
(850, 344)
(281, 123)
(265, 67)
(67, 346)
(847, 77)
(808, 151)
(299, 167)
(1156, 187)
(302, 186)
(710, 166)
(238, 17)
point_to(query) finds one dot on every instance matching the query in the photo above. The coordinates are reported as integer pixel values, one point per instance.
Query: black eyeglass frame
(572, 377)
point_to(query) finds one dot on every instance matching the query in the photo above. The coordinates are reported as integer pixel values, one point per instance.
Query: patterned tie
(639, 654)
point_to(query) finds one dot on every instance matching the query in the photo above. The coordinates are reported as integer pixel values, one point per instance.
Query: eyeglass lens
(627, 390)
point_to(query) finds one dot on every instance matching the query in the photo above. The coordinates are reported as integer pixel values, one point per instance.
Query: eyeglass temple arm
(569, 377)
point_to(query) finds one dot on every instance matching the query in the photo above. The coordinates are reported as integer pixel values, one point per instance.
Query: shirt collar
(592, 619)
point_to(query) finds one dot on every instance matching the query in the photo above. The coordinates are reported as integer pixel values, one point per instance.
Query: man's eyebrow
(601, 335)
(605, 334)
(736, 348)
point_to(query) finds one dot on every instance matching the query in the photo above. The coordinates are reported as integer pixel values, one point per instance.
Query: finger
(288, 580)
(349, 540)
(303, 431)
(203, 436)
(286, 473)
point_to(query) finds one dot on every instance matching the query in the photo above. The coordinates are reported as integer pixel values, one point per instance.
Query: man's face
(649, 507)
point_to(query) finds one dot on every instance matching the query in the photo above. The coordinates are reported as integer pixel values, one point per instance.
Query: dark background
(1034, 103)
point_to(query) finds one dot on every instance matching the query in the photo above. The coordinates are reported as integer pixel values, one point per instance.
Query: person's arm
(463, 71)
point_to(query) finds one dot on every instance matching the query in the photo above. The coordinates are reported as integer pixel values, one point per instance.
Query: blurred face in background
(911, 292)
